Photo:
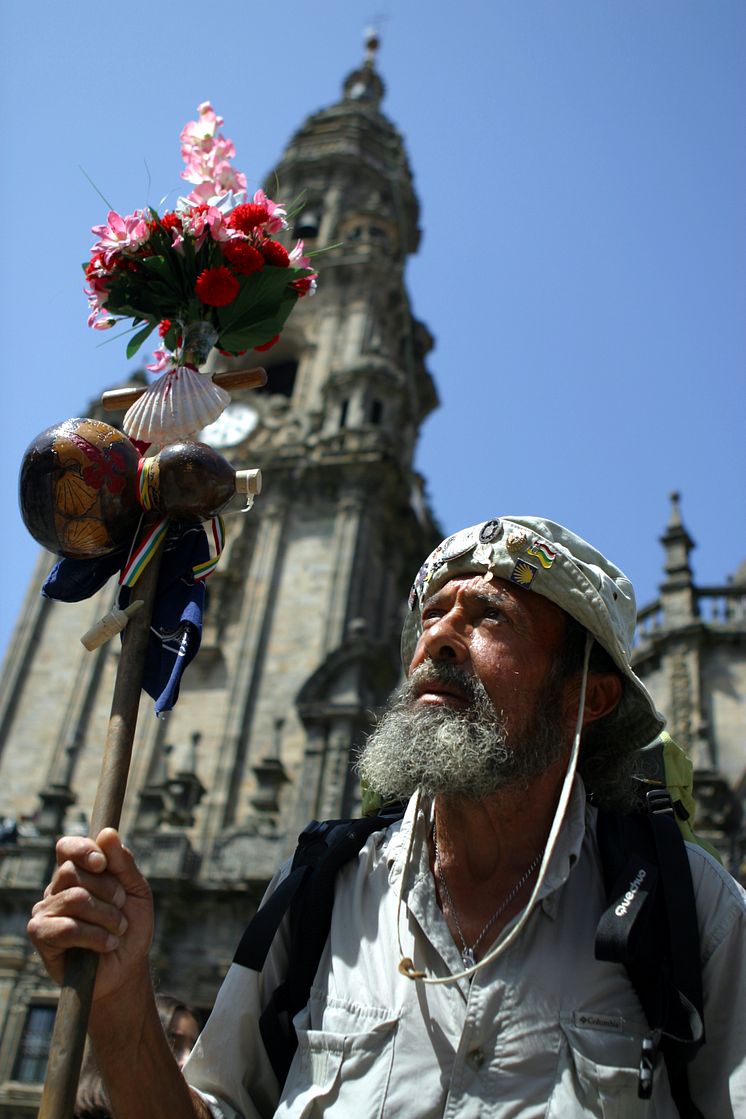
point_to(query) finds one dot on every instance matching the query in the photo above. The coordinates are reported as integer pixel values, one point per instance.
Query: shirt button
(475, 1058)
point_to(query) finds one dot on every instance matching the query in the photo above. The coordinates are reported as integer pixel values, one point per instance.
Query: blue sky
(581, 167)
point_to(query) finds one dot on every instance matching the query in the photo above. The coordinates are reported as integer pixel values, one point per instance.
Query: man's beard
(462, 752)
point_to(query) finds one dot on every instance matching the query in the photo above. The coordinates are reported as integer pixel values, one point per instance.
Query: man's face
(484, 706)
(505, 636)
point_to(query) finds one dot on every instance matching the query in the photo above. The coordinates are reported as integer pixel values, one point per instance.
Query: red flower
(274, 253)
(248, 216)
(95, 264)
(164, 328)
(217, 287)
(231, 353)
(267, 345)
(171, 221)
(243, 257)
(303, 285)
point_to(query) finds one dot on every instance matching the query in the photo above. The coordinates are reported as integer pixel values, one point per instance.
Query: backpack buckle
(648, 1059)
(659, 801)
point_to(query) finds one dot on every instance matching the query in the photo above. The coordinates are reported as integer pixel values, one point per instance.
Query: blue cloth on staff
(176, 626)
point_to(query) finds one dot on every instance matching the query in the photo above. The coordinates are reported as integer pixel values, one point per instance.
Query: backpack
(650, 927)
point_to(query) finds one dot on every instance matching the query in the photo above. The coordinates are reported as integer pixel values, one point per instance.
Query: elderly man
(459, 976)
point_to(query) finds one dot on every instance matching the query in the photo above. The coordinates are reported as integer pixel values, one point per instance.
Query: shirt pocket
(598, 1074)
(341, 1071)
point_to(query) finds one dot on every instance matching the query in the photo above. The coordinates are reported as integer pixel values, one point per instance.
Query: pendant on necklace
(468, 957)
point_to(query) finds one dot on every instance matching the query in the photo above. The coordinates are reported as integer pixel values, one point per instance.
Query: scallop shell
(178, 404)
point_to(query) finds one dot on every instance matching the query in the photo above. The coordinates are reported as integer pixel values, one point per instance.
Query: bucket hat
(545, 558)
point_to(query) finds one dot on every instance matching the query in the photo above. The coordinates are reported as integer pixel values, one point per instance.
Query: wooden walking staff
(68, 1038)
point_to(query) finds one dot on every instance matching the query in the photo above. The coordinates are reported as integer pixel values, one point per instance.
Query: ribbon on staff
(142, 553)
(202, 570)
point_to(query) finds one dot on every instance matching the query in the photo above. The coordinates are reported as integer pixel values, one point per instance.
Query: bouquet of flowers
(207, 273)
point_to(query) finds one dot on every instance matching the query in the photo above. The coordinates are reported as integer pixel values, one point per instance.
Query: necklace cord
(467, 953)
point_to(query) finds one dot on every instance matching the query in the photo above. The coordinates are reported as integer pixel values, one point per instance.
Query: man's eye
(494, 613)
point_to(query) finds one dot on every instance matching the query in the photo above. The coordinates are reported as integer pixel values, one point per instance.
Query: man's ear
(602, 694)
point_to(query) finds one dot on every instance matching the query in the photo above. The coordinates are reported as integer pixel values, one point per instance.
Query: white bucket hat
(544, 557)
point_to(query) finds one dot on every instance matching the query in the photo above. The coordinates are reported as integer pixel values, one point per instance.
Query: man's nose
(445, 640)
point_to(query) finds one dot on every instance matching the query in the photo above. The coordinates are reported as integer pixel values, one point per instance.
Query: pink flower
(163, 361)
(97, 289)
(276, 213)
(201, 220)
(99, 320)
(297, 259)
(121, 233)
(227, 178)
(201, 130)
(207, 155)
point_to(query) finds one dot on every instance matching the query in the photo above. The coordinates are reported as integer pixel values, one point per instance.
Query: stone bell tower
(691, 654)
(300, 643)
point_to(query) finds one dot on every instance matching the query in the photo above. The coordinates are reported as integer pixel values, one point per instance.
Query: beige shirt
(544, 1031)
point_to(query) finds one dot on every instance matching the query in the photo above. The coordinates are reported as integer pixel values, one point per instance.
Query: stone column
(256, 608)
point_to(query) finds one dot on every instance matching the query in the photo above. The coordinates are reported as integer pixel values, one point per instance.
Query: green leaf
(260, 297)
(259, 330)
(137, 339)
(159, 266)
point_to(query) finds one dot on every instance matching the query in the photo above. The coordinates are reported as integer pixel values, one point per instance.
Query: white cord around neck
(467, 953)
(406, 964)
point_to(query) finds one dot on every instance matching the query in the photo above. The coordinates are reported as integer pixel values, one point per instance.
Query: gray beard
(459, 752)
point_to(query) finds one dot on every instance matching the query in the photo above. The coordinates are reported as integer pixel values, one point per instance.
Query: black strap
(307, 895)
(650, 927)
(685, 1013)
(254, 946)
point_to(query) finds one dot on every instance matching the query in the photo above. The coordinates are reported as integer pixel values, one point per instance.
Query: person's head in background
(180, 1026)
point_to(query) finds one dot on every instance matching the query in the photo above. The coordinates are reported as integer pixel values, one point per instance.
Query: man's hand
(97, 899)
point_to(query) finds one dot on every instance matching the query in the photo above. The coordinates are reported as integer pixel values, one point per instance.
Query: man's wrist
(117, 1021)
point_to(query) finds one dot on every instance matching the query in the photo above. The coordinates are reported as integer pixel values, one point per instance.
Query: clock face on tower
(232, 425)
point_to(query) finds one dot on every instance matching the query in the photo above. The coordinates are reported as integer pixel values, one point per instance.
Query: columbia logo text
(629, 897)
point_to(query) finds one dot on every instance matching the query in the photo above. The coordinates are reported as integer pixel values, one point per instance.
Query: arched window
(280, 378)
(307, 225)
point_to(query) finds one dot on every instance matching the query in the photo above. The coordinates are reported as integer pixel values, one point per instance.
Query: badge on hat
(543, 552)
(490, 530)
(516, 542)
(523, 573)
(450, 548)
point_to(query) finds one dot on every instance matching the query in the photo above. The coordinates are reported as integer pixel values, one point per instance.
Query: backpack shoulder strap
(651, 928)
(307, 896)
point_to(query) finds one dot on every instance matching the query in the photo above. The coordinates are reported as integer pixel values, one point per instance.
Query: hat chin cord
(406, 965)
